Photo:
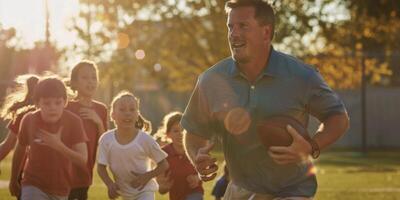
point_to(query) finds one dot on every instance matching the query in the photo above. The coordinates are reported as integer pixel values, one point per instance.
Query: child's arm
(78, 153)
(7, 145)
(90, 114)
(165, 182)
(142, 179)
(111, 186)
(17, 160)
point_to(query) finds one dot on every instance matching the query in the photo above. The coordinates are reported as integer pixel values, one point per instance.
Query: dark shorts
(79, 193)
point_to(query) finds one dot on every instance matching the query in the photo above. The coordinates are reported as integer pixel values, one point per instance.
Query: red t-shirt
(46, 168)
(180, 168)
(13, 125)
(80, 177)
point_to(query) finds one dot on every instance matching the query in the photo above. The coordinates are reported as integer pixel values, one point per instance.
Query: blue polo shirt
(286, 86)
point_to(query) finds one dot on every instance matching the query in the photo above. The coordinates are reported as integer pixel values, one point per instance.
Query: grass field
(341, 176)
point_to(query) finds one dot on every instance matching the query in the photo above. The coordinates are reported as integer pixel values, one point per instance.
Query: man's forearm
(192, 144)
(331, 130)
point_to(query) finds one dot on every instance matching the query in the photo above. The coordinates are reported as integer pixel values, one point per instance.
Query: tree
(181, 38)
(368, 35)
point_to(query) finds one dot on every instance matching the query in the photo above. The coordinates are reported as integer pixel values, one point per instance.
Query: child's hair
(141, 123)
(77, 68)
(50, 87)
(20, 98)
(168, 121)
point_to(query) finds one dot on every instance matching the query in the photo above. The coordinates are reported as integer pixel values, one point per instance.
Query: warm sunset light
(28, 18)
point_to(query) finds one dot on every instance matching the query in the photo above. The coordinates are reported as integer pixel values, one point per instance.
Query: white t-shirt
(135, 156)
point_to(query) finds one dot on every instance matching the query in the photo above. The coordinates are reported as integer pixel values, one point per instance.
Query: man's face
(247, 38)
(51, 108)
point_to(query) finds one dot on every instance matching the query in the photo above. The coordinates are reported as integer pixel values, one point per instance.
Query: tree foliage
(181, 38)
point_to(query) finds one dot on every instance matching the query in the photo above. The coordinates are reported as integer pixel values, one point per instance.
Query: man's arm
(329, 132)
(198, 151)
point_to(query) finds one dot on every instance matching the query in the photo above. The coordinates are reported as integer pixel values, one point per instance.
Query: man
(257, 82)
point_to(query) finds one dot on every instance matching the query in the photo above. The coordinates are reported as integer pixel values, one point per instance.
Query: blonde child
(16, 105)
(128, 151)
(84, 82)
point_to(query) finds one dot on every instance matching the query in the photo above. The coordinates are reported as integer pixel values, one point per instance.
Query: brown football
(272, 131)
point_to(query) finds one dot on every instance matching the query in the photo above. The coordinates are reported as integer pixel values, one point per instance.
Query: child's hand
(90, 114)
(193, 180)
(14, 187)
(140, 180)
(165, 181)
(52, 140)
(113, 191)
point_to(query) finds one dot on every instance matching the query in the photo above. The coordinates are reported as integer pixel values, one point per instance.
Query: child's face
(86, 82)
(125, 112)
(176, 133)
(51, 108)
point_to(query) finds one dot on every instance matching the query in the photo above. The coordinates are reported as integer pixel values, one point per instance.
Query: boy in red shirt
(56, 141)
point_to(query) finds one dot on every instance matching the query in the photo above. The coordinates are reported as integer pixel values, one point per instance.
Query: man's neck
(254, 68)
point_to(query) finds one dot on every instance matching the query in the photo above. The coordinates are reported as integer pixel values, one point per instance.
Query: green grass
(341, 175)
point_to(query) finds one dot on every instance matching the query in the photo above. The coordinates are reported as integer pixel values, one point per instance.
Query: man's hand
(298, 151)
(205, 164)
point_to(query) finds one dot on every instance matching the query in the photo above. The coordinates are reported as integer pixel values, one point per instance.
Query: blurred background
(157, 48)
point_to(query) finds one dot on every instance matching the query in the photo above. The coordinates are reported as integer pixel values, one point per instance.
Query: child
(220, 186)
(16, 105)
(56, 140)
(181, 181)
(84, 81)
(127, 151)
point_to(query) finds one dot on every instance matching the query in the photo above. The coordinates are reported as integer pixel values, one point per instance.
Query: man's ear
(268, 32)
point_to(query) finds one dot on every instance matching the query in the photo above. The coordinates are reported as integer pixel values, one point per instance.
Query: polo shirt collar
(272, 68)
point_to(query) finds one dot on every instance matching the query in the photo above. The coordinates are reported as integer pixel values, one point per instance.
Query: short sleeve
(154, 150)
(14, 125)
(322, 101)
(197, 118)
(102, 151)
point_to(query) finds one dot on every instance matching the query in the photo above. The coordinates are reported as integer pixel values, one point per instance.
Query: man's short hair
(49, 87)
(264, 13)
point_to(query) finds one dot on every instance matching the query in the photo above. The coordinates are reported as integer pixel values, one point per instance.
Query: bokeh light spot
(123, 40)
(140, 54)
(237, 121)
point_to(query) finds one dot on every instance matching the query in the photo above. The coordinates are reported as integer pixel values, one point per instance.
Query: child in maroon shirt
(181, 180)
(84, 81)
(56, 141)
(15, 106)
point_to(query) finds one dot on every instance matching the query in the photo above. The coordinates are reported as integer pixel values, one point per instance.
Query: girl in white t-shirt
(128, 152)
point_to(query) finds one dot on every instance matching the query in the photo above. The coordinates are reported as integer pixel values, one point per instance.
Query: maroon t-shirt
(180, 167)
(83, 178)
(46, 168)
